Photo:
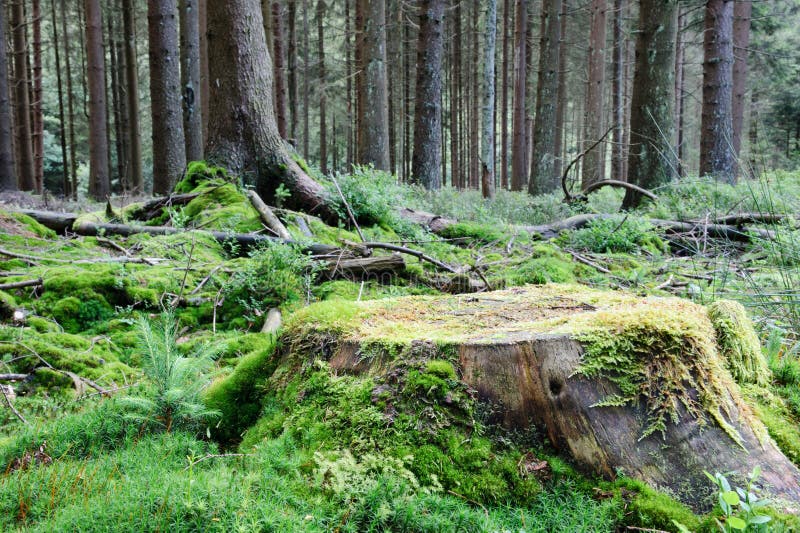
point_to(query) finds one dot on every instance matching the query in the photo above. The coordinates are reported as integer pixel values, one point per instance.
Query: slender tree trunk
(306, 74)
(99, 181)
(487, 141)
(8, 180)
(427, 163)
(291, 60)
(190, 79)
(508, 20)
(73, 161)
(650, 162)
(36, 103)
(132, 83)
(374, 137)
(593, 162)
(116, 95)
(752, 133)
(204, 75)
(243, 134)
(22, 103)
(169, 149)
(519, 147)
(561, 98)
(280, 71)
(618, 92)
(475, 148)
(680, 48)
(716, 135)
(543, 177)
(323, 128)
(123, 129)
(741, 42)
(456, 170)
(349, 129)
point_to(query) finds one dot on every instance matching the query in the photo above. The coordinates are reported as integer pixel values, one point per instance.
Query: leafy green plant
(620, 234)
(740, 506)
(171, 396)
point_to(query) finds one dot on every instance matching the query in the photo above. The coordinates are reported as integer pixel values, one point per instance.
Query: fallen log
(616, 382)
(376, 267)
(438, 224)
(267, 216)
(152, 208)
(13, 377)
(22, 284)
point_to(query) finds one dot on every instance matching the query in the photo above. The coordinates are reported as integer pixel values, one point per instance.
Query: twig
(13, 377)
(205, 280)
(415, 253)
(665, 284)
(349, 212)
(20, 284)
(567, 196)
(11, 405)
(185, 273)
(588, 262)
(112, 244)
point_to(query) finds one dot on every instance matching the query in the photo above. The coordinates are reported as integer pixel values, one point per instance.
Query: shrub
(620, 234)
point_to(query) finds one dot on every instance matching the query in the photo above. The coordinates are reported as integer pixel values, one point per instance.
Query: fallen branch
(21, 284)
(11, 405)
(365, 267)
(349, 211)
(37, 259)
(588, 262)
(13, 377)
(416, 253)
(567, 196)
(620, 184)
(267, 216)
(741, 219)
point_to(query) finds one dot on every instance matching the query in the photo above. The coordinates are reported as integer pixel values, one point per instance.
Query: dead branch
(567, 196)
(11, 405)
(267, 216)
(13, 377)
(620, 184)
(416, 253)
(21, 284)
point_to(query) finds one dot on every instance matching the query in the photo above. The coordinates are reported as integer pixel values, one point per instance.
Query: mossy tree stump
(623, 385)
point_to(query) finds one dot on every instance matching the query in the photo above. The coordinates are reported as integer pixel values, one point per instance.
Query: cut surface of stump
(624, 385)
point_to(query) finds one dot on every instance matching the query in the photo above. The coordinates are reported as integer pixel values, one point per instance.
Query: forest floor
(107, 341)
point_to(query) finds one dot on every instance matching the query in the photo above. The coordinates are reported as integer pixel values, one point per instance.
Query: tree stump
(623, 385)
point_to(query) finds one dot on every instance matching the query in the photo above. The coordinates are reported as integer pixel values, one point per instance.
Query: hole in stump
(555, 386)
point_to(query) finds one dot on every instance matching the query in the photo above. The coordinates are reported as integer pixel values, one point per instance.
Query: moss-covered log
(623, 385)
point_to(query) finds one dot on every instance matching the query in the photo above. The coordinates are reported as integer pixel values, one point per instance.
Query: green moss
(476, 232)
(239, 396)
(80, 312)
(222, 207)
(7, 305)
(738, 343)
(781, 425)
(42, 325)
(51, 380)
(198, 173)
(33, 226)
(649, 508)
(441, 369)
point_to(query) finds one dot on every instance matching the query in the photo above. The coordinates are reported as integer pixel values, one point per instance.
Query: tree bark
(169, 148)
(190, 79)
(8, 180)
(323, 127)
(280, 71)
(243, 135)
(741, 42)
(650, 161)
(543, 177)
(62, 124)
(487, 139)
(427, 160)
(519, 147)
(508, 20)
(716, 134)
(374, 130)
(99, 180)
(680, 70)
(204, 76)
(73, 161)
(594, 162)
(132, 95)
(618, 92)
(561, 97)
(291, 78)
(37, 137)
(26, 179)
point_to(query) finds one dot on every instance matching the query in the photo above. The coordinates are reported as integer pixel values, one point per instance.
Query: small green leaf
(760, 519)
(737, 523)
(731, 498)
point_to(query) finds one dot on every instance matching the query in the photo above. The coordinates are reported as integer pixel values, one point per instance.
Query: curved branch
(567, 196)
(621, 184)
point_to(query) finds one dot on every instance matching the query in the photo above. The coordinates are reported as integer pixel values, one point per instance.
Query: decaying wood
(13, 377)
(22, 284)
(366, 267)
(267, 216)
(152, 208)
(273, 321)
(416, 253)
(7, 395)
(58, 222)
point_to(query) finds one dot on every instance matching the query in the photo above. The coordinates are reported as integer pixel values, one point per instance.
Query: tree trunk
(116, 97)
(73, 161)
(508, 20)
(487, 139)
(204, 77)
(169, 149)
(519, 147)
(741, 42)
(543, 177)
(561, 109)
(8, 180)
(618, 92)
(323, 127)
(61, 119)
(593, 161)
(99, 181)
(306, 92)
(716, 134)
(373, 144)
(243, 135)
(427, 160)
(455, 99)
(123, 129)
(190, 79)
(26, 179)
(650, 162)
(291, 60)
(680, 49)
(132, 84)
(475, 101)
(36, 102)
(280, 71)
